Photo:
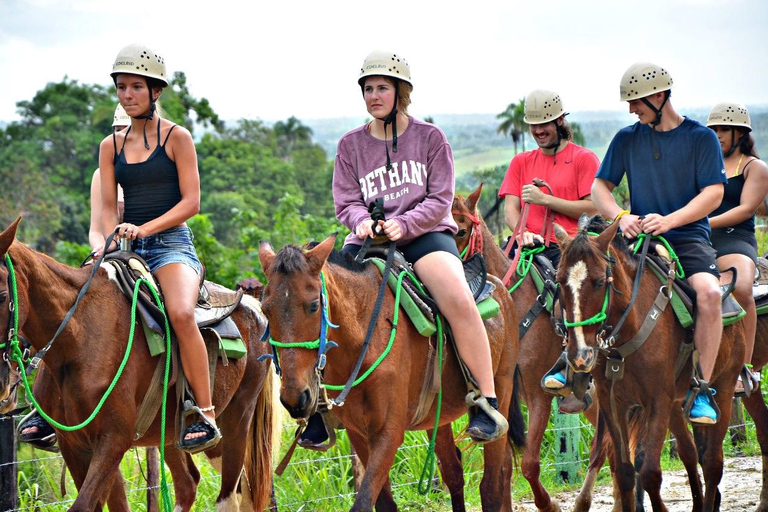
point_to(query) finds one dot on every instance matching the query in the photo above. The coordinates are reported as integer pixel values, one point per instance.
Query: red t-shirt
(570, 177)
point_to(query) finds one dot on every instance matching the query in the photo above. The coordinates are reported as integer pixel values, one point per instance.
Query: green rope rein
(17, 355)
(524, 264)
(679, 271)
(596, 318)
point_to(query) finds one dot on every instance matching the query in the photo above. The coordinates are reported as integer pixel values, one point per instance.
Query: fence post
(9, 498)
(567, 438)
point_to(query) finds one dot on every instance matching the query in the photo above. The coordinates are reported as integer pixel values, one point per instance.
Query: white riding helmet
(137, 59)
(121, 118)
(384, 63)
(542, 106)
(729, 113)
(643, 79)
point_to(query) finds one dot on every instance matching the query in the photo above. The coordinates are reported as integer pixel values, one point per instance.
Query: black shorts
(696, 256)
(416, 249)
(733, 243)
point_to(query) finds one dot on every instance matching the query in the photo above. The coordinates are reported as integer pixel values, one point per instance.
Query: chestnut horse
(755, 405)
(378, 410)
(539, 349)
(596, 288)
(86, 357)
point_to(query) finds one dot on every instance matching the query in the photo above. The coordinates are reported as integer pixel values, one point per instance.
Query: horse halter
(321, 344)
(475, 243)
(601, 316)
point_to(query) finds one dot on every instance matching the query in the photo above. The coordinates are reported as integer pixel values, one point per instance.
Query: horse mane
(597, 224)
(290, 259)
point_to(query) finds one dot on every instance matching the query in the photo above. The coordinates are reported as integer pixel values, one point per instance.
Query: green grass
(467, 160)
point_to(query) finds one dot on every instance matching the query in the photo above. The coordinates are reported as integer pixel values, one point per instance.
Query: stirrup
(46, 442)
(475, 400)
(700, 388)
(750, 381)
(322, 446)
(560, 365)
(197, 444)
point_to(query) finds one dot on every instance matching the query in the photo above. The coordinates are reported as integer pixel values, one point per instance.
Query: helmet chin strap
(735, 144)
(148, 117)
(391, 119)
(656, 121)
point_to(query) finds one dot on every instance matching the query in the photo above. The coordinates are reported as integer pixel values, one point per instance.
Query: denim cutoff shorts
(170, 246)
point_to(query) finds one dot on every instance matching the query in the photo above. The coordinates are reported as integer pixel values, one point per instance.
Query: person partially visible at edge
(408, 163)
(569, 170)
(33, 428)
(675, 175)
(733, 222)
(95, 236)
(155, 162)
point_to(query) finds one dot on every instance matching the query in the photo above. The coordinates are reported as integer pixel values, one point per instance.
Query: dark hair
(564, 130)
(747, 145)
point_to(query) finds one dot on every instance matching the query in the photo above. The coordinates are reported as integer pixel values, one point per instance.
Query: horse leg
(709, 441)
(624, 471)
(686, 450)
(650, 470)
(539, 407)
(185, 477)
(450, 466)
(759, 413)
(597, 456)
(378, 455)
(496, 469)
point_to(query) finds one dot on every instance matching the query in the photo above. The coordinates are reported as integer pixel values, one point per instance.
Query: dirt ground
(740, 488)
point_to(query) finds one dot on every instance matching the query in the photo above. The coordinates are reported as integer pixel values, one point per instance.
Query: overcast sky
(271, 59)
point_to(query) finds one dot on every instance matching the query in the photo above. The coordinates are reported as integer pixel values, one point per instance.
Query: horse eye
(599, 283)
(462, 233)
(3, 296)
(314, 306)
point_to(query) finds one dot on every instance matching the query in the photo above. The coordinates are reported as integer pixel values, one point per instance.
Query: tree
(512, 123)
(290, 134)
(577, 135)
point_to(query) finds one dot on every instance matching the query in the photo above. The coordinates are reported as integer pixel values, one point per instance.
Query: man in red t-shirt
(569, 170)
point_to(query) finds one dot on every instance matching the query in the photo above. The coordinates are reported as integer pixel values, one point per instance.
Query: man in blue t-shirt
(675, 175)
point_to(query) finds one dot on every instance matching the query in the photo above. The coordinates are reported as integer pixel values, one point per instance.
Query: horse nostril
(304, 400)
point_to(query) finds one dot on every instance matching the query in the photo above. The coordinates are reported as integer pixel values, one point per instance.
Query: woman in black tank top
(733, 222)
(156, 164)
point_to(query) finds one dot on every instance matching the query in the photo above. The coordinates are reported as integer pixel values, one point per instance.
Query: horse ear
(7, 236)
(266, 256)
(474, 197)
(604, 238)
(317, 255)
(561, 235)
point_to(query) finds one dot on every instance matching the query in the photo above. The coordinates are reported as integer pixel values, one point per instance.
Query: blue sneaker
(702, 412)
(555, 380)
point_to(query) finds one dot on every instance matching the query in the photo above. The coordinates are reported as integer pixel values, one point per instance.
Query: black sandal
(44, 437)
(198, 444)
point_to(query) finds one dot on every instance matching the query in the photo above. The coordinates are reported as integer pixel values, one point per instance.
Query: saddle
(214, 306)
(421, 308)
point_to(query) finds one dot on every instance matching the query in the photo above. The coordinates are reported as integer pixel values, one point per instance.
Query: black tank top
(151, 187)
(732, 199)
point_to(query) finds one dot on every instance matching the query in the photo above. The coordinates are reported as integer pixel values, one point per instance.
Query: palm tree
(289, 134)
(513, 124)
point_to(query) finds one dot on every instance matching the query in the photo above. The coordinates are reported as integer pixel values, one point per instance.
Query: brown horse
(379, 410)
(539, 348)
(86, 357)
(649, 383)
(755, 405)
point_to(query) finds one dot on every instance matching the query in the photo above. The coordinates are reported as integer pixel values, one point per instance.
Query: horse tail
(516, 432)
(263, 443)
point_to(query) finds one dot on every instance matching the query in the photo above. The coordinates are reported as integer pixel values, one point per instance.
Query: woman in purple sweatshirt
(408, 163)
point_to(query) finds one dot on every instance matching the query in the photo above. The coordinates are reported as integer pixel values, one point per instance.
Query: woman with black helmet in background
(155, 162)
(408, 163)
(733, 222)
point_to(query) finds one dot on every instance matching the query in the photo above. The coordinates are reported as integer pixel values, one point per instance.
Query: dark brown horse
(539, 348)
(649, 383)
(86, 357)
(379, 410)
(755, 405)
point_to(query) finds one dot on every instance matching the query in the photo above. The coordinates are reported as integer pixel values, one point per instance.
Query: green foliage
(513, 124)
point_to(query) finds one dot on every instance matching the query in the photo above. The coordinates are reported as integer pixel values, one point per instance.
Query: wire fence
(312, 465)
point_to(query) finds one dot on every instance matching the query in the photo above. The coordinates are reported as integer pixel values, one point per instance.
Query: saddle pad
(227, 336)
(682, 302)
(488, 307)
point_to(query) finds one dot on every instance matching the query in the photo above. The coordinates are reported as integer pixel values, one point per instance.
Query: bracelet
(208, 409)
(621, 214)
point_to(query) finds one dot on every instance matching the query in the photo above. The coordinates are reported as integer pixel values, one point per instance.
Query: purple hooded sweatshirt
(417, 192)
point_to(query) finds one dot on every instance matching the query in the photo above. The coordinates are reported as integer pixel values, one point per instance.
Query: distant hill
(476, 144)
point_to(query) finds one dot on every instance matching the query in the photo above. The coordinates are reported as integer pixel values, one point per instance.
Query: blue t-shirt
(690, 161)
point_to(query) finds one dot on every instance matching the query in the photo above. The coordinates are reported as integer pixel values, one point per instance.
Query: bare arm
(511, 211)
(108, 207)
(95, 236)
(752, 196)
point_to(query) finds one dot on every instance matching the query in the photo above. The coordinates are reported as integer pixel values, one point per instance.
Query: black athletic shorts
(696, 256)
(416, 249)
